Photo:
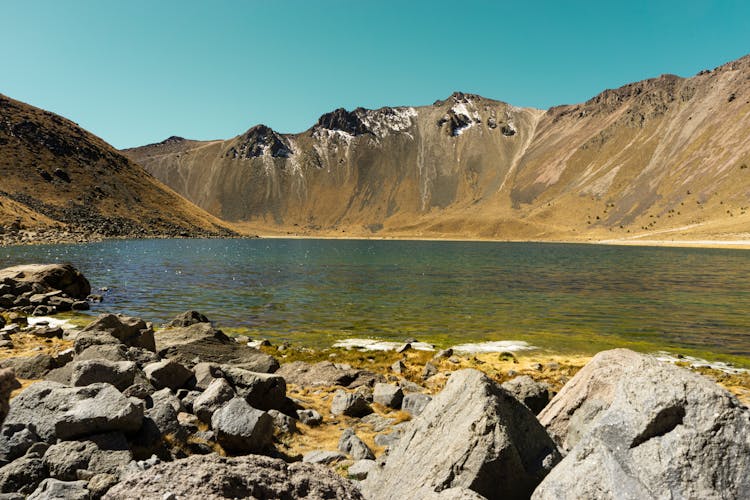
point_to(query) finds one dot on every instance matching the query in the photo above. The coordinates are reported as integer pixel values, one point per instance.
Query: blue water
(556, 296)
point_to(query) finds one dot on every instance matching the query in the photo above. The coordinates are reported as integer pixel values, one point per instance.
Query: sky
(135, 72)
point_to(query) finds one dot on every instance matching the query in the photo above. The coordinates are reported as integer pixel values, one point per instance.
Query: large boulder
(22, 475)
(52, 277)
(218, 392)
(472, 435)
(351, 404)
(353, 446)
(133, 332)
(57, 411)
(167, 373)
(54, 489)
(640, 428)
(264, 391)
(240, 428)
(31, 367)
(187, 318)
(212, 477)
(121, 374)
(201, 342)
(8, 384)
(100, 454)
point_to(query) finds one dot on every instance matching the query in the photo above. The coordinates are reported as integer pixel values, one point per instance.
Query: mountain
(54, 174)
(667, 156)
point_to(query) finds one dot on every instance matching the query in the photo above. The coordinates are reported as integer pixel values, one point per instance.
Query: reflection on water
(565, 297)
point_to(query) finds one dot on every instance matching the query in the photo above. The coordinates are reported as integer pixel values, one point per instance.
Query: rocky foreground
(119, 411)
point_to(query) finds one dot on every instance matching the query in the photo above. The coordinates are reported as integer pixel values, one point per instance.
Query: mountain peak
(259, 141)
(342, 120)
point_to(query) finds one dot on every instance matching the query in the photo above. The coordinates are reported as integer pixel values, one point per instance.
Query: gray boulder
(213, 477)
(100, 454)
(218, 392)
(22, 475)
(163, 412)
(30, 367)
(204, 343)
(388, 395)
(15, 439)
(261, 390)
(349, 404)
(63, 277)
(415, 403)
(54, 489)
(186, 319)
(640, 428)
(535, 395)
(167, 374)
(353, 446)
(472, 435)
(309, 417)
(133, 332)
(326, 374)
(69, 412)
(282, 422)
(118, 373)
(240, 428)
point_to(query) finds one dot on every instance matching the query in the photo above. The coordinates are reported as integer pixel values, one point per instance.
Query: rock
(218, 392)
(167, 373)
(415, 403)
(186, 319)
(30, 367)
(535, 395)
(140, 391)
(360, 469)
(640, 428)
(388, 395)
(22, 475)
(133, 332)
(350, 444)
(403, 348)
(472, 435)
(443, 354)
(101, 483)
(326, 374)
(100, 454)
(284, 423)
(52, 277)
(205, 373)
(398, 367)
(15, 440)
(323, 457)
(204, 343)
(389, 439)
(118, 373)
(54, 489)
(212, 477)
(73, 411)
(163, 412)
(261, 390)
(309, 417)
(8, 384)
(349, 404)
(377, 422)
(241, 428)
(47, 332)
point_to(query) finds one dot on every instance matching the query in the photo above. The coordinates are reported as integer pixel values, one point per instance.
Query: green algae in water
(559, 297)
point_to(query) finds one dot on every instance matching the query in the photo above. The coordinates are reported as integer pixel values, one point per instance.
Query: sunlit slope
(54, 173)
(663, 156)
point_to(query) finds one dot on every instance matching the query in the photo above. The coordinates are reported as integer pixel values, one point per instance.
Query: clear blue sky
(136, 71)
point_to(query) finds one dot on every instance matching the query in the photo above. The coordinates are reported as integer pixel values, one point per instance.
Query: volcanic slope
(54, 174)
(665, 157)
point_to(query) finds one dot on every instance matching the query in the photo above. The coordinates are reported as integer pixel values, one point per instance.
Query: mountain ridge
(617, 165)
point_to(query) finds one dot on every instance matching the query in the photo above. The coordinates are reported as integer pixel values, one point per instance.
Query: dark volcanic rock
(52, 276)
(349, 404)
(186, 319)
(22, 475)
(218, 392)
(118, 373)
(32, 367)
(99, 454)
(640, 428)
(261, 390)
(8, 384)
(343, 120)
(133, 332)
(212, 477)
(204, 343)
(54, 489)
(256, 141)
(472, 435)
(167, 373)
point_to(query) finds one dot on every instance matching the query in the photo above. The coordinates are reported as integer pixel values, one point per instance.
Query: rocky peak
(343, 120)
(171, 140)
(259, 141)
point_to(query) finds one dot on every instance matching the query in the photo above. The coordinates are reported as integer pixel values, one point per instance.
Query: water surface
(570, 298)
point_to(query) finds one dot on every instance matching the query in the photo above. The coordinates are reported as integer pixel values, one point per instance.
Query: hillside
(665, 157)
(56, 176)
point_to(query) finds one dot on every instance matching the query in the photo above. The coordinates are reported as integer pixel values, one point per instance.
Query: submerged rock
(213, 477)
(640, 428)
(472, 435)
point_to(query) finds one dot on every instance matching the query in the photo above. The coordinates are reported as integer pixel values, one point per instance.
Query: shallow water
(569, 298)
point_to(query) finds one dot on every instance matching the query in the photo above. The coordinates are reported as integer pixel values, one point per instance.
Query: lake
(559, 297)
